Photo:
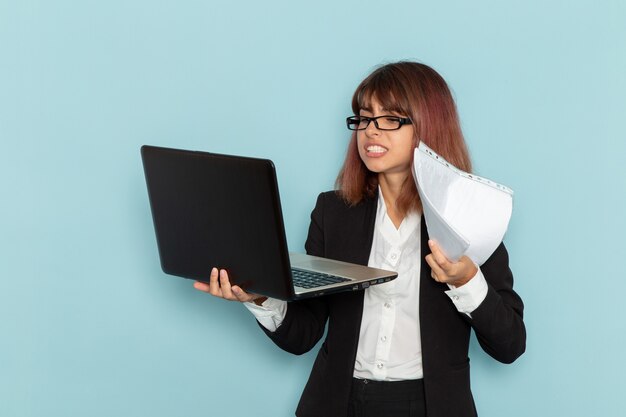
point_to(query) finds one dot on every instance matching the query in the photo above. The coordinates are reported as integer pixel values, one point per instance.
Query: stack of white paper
(465, 214)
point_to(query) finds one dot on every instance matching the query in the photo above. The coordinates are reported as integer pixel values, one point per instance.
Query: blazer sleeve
(498, 320)
(305, 321)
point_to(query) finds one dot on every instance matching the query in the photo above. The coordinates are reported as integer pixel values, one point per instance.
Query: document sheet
(465, 214)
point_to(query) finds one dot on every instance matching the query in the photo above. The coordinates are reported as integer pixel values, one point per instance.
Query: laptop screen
(222, 211)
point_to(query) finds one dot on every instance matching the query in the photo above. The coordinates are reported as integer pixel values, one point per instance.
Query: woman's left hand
(453, 273)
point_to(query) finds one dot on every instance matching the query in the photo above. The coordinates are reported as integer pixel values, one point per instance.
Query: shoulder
(331, 197)
(336, 214)
(333, 202)
(340, 230)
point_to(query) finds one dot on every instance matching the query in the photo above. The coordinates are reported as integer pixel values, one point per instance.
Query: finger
(439, 256)
(430, 260)
(439, 274)
(240, 294)
(201, 286)
(225, 286)
(214, 285)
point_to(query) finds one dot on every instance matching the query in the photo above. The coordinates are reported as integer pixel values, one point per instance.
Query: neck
(391, 186)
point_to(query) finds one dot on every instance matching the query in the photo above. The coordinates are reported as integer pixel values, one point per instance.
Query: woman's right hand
(219, 286)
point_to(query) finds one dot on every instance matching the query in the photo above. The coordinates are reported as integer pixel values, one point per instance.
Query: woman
(399, 348)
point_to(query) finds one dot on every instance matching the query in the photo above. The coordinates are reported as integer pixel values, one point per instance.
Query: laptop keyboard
(308, 279)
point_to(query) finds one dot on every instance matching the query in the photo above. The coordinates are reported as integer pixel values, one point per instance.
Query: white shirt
(389, 347)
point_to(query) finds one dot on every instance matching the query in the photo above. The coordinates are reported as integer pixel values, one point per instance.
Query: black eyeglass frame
(356, 120)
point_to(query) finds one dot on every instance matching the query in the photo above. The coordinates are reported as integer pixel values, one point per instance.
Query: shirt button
(387, 305)
(379, 366)
(384, 338)
(394, 256)
(455, 298)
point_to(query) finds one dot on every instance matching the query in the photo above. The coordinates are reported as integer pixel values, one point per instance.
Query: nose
(372, 129)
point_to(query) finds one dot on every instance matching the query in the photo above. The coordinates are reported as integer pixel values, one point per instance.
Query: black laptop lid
(218, 210)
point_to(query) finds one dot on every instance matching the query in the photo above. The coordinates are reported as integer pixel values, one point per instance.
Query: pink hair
(420, 93)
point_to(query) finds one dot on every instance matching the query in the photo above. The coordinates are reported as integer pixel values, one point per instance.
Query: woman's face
(385, 151)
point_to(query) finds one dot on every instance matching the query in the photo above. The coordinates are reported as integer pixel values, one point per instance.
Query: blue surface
(89, 324)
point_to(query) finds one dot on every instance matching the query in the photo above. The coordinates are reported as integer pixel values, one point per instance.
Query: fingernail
(214, 270)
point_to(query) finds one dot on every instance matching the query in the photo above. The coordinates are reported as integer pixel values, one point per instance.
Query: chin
(376, 168)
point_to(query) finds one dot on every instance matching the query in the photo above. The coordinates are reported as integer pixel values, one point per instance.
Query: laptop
(211, 210)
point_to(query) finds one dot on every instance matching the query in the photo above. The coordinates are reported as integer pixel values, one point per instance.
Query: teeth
(376, 149)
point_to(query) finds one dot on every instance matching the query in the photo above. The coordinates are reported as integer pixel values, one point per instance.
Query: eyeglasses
(381, 122)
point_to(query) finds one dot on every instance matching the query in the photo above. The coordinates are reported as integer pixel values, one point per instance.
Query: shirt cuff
(270, 313)
(468, 297)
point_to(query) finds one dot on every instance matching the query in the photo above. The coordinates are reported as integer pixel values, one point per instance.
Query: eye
(389, 122)
(363, 120)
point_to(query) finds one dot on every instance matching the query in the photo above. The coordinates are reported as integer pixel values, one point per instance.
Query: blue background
(89, 325)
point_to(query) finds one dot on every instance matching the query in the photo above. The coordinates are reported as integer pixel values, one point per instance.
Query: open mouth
(375, 150)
